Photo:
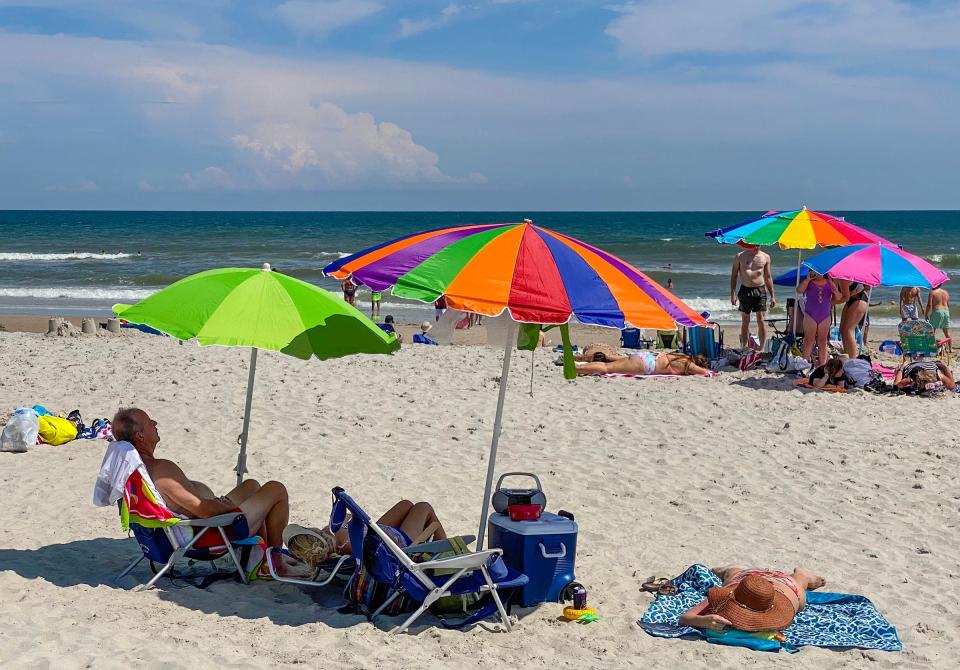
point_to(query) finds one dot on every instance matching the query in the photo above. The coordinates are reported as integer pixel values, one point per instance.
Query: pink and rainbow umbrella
(796, 229)
(534, 274)
(877, 265)
(537, 275)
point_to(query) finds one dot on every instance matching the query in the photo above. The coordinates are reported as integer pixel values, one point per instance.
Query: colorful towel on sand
(829, 619)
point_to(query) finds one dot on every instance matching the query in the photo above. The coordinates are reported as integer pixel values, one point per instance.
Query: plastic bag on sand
(20, 433)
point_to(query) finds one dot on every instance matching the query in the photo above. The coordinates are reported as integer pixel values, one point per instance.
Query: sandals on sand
(662, 586)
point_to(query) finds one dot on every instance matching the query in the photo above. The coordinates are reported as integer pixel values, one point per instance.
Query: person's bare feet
(813, 581)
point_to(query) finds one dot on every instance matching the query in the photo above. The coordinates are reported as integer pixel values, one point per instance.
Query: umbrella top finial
(528, 220)
(265, 267)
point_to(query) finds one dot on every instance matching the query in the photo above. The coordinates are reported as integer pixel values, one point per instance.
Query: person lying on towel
(752, 600)
(829, 374)
(406, 523)
(599, 360)
(924, 377)
(265, 507)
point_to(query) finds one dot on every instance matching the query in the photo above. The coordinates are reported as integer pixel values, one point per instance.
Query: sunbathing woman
(752, 600)
(830, 374)
(645, 363)
(406, 523)
(924, 376)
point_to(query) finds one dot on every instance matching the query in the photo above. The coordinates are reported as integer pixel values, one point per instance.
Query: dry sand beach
(660, 474)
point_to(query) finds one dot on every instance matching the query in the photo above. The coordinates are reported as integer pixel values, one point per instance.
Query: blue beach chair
(632, 338)
(703, 341)
(481, 572)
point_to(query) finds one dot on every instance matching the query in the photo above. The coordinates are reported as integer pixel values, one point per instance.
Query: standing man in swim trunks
(911, 302)
(752, 268)
(938, 311)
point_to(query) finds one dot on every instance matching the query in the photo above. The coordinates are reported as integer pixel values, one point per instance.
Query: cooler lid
(548, 524)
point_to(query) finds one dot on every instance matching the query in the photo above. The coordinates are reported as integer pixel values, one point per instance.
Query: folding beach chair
(632, 338)
(482, 572)
(165, 537)
(668, 339)
(703, 341)
(918, 339)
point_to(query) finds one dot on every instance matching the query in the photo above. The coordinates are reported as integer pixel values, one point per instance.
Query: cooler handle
(560, 554)
(518, 474)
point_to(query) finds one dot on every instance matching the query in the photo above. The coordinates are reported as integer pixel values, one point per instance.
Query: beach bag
(56, 430)
(20, 433)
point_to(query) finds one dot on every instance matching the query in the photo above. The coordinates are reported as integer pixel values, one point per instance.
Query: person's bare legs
(394, 516)
(419, 518)
(810, 337)
(823, 334)
(744, 329)
(849, 320)
(267, 512)
(807, 581)
(246, 489)
(762, 328)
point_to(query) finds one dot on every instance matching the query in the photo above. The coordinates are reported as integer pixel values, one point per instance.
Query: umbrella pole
(492, 462)
(241, 468)
(796, 296)
(532, 353)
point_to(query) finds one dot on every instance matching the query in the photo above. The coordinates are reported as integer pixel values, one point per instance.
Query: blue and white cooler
(544, 549)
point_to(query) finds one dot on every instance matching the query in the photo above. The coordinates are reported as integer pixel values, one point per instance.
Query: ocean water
(80, 262)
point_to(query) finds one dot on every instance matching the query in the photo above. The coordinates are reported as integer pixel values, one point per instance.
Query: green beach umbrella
(260, 309)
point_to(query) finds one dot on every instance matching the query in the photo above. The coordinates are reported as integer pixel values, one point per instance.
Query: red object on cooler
(524, 512)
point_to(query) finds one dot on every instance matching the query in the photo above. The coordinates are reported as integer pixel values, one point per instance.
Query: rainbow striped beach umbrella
(796, 229)
(877, 265)
(537, 275)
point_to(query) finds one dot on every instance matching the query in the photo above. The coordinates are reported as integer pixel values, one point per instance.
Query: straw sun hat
(313, 546)
(753, 605)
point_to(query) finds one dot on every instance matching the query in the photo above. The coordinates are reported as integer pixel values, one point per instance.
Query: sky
(484, 105)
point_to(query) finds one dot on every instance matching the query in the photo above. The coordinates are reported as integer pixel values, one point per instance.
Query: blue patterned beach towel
(829, 619)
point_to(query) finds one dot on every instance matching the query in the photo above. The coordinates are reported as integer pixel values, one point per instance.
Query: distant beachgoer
(669, 283)
(829, 374)
(644, 363)
(349, 290)
(911, 303)
(820, 293)
(439, 307)
(103, 252)
(938, 311)
(752, 268)
(375, 297)
(752, 600)
(388, 327)
(422, 337)
(854, 297)
(924, 376)
(139, 252)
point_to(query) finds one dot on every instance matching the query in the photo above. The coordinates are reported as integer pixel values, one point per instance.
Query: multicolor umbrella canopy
(257, 308)
(877, 265)
(535, 274)
(797, 229)
(538, 275)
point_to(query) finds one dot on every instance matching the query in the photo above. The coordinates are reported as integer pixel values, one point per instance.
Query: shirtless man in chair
(265, 507)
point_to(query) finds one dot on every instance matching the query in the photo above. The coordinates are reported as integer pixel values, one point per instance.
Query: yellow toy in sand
(585, 615)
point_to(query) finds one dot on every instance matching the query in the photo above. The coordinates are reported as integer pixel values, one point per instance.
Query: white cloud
(210, 178)
(323, 16)
(653, 28)
(410, 27)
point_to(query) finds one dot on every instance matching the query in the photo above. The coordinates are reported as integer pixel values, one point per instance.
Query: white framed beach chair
(481, 572)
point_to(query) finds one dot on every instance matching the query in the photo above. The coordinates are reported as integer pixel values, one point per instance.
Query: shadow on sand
(97, 563)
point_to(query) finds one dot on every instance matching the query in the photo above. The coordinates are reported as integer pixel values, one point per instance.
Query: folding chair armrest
(436, 546)
(469, 561)
(213, 521)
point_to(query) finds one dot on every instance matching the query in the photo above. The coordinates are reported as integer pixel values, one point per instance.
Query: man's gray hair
(125, 423)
